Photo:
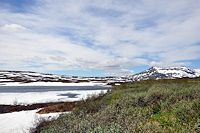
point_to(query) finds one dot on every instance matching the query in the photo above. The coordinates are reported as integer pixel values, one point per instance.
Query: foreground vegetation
(146, 106)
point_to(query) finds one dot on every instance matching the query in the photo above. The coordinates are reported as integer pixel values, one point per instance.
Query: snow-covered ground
(52, 84)
(48, 96)
(21, 122)
(44, 97)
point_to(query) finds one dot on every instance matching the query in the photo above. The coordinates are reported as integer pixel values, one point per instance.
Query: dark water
(24, 89)
(70, 95)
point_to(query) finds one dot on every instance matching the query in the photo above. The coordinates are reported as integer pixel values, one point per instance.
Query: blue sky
(98, 37)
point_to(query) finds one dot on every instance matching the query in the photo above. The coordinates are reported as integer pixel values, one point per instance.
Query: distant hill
(27, 76)
(22, 77)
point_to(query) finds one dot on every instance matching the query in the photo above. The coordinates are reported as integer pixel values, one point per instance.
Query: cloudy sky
(98, 37)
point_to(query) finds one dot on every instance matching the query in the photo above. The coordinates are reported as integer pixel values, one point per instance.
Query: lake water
(25, 89)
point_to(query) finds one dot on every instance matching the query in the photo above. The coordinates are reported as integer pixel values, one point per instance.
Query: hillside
(27, 76)
(169, 105)
(34, 78)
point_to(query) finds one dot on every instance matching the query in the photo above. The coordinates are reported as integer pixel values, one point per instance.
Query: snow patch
(21, 122)
(44, 97)
(1, 79)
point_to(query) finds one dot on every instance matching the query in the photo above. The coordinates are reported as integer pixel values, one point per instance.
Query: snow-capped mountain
(166, 73)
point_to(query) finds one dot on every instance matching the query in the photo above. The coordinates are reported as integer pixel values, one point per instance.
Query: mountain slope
(21, 77)
(166, 73)
(26, 77)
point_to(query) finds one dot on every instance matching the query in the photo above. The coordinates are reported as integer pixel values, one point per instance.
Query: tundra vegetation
(144, 106)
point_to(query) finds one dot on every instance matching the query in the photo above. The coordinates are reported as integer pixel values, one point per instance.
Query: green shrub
(146, 106)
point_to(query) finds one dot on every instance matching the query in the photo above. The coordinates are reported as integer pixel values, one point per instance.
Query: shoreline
(44, 107)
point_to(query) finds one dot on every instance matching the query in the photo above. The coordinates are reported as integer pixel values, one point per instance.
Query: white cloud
(12, 27)
(107, 35)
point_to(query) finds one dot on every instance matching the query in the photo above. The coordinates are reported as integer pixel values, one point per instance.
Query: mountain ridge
(151, 73)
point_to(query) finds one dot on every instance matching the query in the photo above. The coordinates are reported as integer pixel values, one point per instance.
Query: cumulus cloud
(110, 35)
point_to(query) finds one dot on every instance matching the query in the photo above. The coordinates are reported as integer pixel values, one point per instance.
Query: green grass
(147, 106)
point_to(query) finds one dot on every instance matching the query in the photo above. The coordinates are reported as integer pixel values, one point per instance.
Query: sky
(98, 37)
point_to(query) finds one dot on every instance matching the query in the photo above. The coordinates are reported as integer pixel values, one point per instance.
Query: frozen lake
(41, 94)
